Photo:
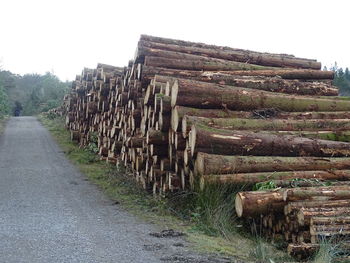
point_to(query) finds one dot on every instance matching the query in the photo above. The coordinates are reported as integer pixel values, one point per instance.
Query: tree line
(30, 94)
(342, 80)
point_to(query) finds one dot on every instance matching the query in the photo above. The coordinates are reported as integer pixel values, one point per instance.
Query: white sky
(64, 36)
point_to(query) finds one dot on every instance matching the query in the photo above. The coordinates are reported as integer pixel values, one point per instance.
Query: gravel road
(49, 212)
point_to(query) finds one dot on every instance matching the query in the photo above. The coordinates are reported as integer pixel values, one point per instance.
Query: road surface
(49, 212)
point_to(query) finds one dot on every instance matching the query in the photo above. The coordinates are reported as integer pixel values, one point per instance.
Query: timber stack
(184, 115)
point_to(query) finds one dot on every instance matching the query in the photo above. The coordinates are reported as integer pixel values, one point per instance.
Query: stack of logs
(184, 114)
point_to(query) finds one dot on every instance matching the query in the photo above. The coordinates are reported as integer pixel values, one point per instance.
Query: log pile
(183, 114)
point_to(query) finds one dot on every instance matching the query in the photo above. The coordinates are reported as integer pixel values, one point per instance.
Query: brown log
(144, 53)
(326, 221)
(207, 95)
(303, 250)
(272, 84)
(294, 206)
(178, 112)
(203, 63)
(252, 204)
(252, 178)
(207, 164)
(277, 60)
(267, 124)
(157, 137)
(75, 136)
(318, 180)
(225, 142)
(304, 215)
(317, 193)
(149, 72)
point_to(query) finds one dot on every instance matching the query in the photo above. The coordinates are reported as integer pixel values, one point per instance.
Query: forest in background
(35, 93)
(32, 93)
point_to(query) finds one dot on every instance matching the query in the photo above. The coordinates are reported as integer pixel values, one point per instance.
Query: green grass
(3, 120)
(207, 217)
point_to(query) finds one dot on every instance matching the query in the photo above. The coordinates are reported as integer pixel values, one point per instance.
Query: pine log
(207, 164)
(157, 137)
(203, 63)
(225, 142)
(270, 124)
(342, 136)
(294, 206)
(303, 250)
(304, 215)
(240, 55)
(252, 204)
(326, 221)
(317, 193)
(75, 136)
(318, 180)
(206, 95)
(149, 72)
(252, 178)
(279, 60)
(178, 112)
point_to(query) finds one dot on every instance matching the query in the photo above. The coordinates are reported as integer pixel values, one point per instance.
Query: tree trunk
(279, 60)
(303, 250)
(267, 124)
(178, 112)
(273, 84)
(294, 206)
(75, 136)
(148, 72)
(305, 214)
(202, 63)
(226, 142)
(326, 221)
(252, 204)
(252, 178)
(157, 137)
(207, 164)
(317, 193)
(206, 95)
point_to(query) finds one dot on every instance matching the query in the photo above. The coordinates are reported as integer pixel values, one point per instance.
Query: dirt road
(49, 212)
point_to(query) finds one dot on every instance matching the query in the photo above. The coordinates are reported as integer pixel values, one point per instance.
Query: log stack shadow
(184, 115)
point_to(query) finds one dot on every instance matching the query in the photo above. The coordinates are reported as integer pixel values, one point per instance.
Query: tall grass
(211, 209)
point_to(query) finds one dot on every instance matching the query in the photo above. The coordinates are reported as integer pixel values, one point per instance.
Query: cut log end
(192, 139)
(174, 92)
(239, 205)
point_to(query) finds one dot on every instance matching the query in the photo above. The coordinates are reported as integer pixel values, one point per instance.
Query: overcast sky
(64, 36)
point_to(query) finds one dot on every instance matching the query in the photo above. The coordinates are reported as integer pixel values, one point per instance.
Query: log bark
(304, 250)
(178, 112)
(205, 95)
(317, 193)
(342, 136)
(252, 178)
(203, 63)
(148, 72)
(157, 137)
(207, 164)
(273, 84)
(304, 215)
(294, 206)
(280, 60)
(252, 204)
(326, 221)
(267, 124)
(75, 136)
(225, 142)
(244, 56)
